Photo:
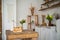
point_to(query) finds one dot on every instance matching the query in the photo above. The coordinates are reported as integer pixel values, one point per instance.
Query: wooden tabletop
(24, 34)
(8, 32)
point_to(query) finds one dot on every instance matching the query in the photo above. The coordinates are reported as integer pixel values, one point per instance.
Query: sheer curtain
(46, 33)
(58, 29)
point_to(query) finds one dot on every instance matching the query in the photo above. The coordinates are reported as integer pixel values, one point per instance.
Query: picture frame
(29, 22)
(36, 20)
(29, 19)
(29, 26)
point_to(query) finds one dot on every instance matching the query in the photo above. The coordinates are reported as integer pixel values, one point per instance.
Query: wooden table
(21, 35)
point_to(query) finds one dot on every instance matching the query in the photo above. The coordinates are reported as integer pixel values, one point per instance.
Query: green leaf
(49, 17)
(22, 21)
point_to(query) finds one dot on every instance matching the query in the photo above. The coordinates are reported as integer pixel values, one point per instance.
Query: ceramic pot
(49, 23)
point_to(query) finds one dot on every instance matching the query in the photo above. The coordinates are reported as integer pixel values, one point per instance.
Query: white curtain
(58, 29)
(46, 33)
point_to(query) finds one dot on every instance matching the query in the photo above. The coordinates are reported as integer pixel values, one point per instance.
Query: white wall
(23, 10)
(8, 14)
(24, 5)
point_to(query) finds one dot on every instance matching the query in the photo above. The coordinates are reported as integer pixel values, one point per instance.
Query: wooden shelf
(48, 2)
(53, 6)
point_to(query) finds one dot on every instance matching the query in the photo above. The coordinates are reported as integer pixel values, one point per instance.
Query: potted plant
(22, 22)
(33, 27)
(32, 21)
(49, 18)
(21, 27)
